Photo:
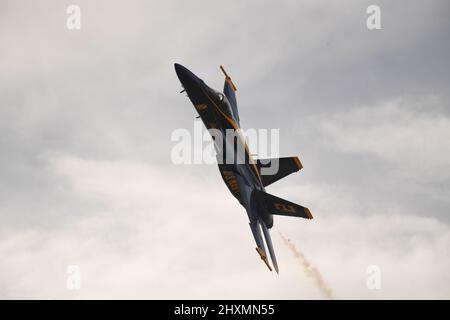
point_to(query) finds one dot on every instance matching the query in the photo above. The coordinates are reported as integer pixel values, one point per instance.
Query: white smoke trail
(309, 269)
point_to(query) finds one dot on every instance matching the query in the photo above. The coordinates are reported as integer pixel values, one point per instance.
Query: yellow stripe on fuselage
(237, 129)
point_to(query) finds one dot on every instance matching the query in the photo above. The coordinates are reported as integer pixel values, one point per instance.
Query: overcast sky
(86, 177)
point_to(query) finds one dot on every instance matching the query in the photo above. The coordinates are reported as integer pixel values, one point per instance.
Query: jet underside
(240, 172)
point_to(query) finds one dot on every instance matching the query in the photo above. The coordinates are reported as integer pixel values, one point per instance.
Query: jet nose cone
(189, 80)
(193, 85)
(184, 74)
(178, 68)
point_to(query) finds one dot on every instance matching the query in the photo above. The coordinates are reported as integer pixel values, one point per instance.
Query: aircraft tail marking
(278, 206)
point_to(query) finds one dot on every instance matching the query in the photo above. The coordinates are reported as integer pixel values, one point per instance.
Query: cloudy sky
(86, 176)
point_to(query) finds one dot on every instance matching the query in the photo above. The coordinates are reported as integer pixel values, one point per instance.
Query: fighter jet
(245, 177)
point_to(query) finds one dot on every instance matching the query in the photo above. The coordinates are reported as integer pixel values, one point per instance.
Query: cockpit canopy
(224, 105)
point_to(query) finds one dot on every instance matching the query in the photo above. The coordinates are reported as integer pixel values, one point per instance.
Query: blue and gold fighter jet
(244, 176)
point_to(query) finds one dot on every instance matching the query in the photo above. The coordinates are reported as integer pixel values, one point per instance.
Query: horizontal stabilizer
(274, 169)
(281, 207)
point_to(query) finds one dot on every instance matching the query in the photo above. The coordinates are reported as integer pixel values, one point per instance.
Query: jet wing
(272, 170)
